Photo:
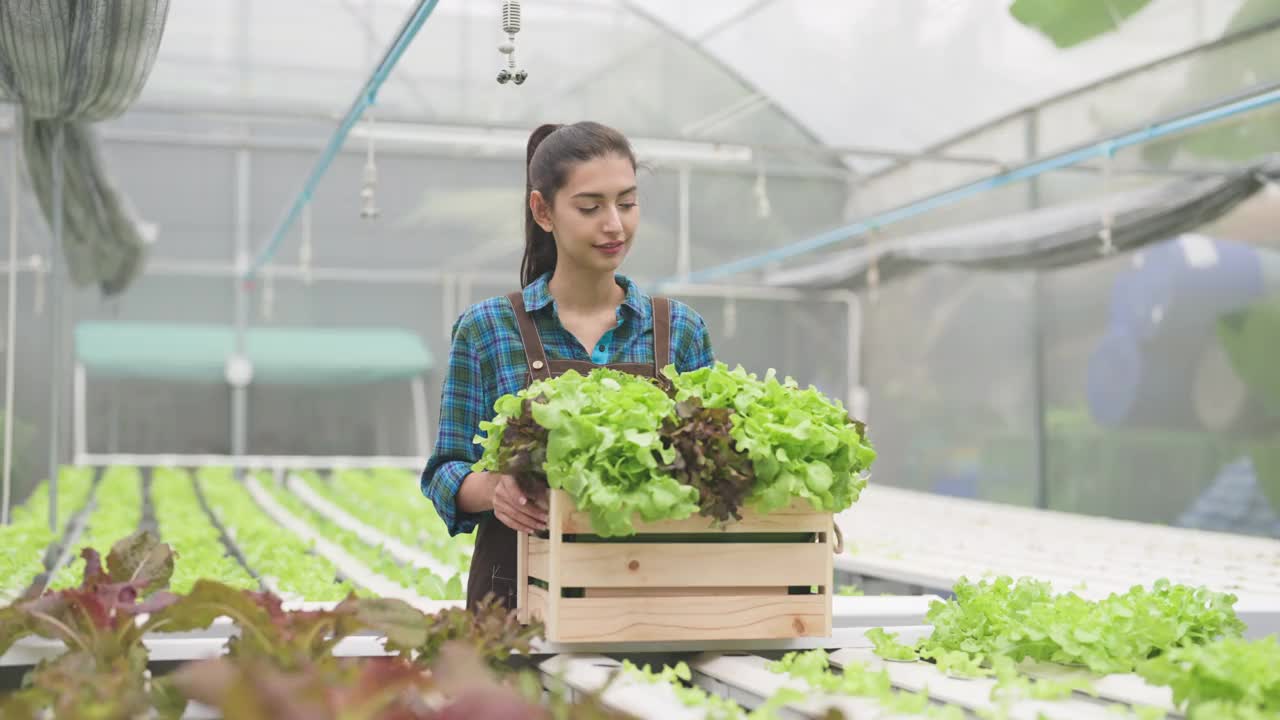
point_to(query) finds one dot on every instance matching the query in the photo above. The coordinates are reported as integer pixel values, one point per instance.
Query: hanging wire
(363, 100)
(368, 193)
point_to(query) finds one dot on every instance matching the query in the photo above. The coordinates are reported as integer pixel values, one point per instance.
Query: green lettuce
(1024, 619)
(604, 446)
(1230, 678)
(713, 441)
(707, 460)
(801, 443)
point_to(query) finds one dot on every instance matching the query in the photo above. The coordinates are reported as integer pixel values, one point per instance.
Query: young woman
(575, 312)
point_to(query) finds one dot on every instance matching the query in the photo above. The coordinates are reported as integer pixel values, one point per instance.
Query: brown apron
(493, 565)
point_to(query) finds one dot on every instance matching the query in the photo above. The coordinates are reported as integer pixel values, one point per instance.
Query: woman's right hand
(516, 510)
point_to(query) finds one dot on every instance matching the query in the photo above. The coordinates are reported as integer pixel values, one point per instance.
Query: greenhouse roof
(897, 77)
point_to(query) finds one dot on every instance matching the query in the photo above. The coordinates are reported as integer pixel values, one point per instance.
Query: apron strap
(535, 355)
(661, 309)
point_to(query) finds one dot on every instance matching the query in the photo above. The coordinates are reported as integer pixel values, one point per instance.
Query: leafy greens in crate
(708, 441)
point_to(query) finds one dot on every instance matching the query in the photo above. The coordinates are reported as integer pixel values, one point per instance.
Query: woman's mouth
(612, 248)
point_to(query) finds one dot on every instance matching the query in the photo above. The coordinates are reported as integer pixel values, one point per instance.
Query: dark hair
(553, 151)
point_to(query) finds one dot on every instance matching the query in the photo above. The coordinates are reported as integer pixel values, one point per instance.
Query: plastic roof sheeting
(908, 74)
(900, 75)
(1046, 238)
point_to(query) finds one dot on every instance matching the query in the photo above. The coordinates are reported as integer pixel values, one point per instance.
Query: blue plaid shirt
(487, 361)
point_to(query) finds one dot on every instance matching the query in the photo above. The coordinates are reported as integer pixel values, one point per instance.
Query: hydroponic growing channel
(370, 585)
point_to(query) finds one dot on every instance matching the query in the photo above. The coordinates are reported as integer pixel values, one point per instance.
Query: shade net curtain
(68, 64)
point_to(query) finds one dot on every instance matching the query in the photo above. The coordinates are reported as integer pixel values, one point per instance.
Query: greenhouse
(606, 359)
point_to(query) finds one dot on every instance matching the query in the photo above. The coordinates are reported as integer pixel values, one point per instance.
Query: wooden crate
(648, 589)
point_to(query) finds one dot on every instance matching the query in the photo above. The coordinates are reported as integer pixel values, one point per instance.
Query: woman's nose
(613, 221)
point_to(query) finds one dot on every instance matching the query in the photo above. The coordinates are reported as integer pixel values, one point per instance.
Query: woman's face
(594, 216)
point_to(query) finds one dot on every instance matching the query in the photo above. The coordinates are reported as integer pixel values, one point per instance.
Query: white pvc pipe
(253, 462)
(11, 320)
(372, 536)
(448, 309)
(753, 292)
(239, 392)
(80, 440)
(462, 280)
(350, 567)
(684, 242)
(858, 402)
(57, 305)
(420, 426)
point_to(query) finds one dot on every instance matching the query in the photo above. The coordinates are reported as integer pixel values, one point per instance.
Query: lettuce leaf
(707, 460)
(1228, 678)
(603, 447)
(801, 443)
(715, 440)
(1024, 619)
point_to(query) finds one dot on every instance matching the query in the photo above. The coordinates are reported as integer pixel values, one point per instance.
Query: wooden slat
(613, 592)
(693, 564)
(828, 571)
(800, 517)
(537, 601)
(555, 546)
(718, 617)
(539, 559)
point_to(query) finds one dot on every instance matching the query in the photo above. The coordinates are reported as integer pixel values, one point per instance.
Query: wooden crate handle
(838, 547)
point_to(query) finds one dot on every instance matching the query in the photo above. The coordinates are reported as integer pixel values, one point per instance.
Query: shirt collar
(538, 295)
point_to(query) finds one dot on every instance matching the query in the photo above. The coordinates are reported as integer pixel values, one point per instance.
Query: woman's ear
(541, 210)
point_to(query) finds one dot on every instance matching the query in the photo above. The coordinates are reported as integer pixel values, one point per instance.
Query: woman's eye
(588, 210)
(627, 206)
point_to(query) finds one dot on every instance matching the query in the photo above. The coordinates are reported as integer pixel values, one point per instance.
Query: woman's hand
(515, 509)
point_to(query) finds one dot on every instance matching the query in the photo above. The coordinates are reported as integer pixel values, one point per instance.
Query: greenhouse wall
(449, 233)
(1014, 387)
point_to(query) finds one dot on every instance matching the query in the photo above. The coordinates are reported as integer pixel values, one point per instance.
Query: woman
(575, 312)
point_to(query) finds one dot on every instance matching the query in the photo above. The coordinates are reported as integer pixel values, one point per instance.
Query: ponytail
(547, 167)
(539, 245)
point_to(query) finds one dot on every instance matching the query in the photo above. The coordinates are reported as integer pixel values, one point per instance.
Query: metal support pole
(857, 396)
(1037, 330)
(684, 242)
(10, 351)
(79, 429)
(420, 421)
(55, 329)
(240, 391)
(448, 309)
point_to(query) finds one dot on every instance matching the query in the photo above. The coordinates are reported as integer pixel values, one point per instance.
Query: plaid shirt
(487, 361)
